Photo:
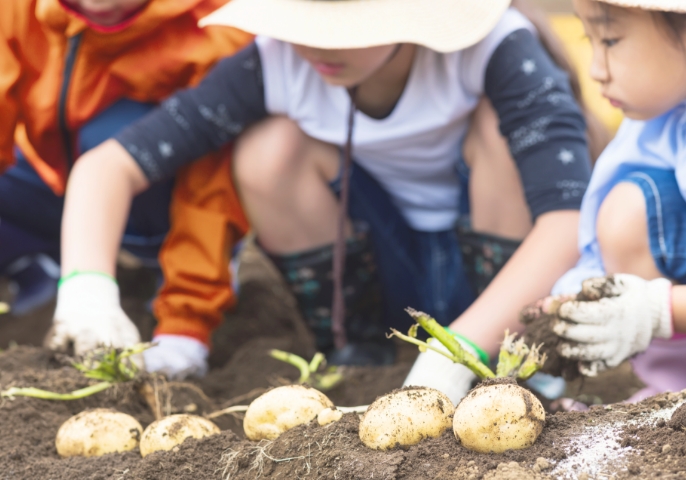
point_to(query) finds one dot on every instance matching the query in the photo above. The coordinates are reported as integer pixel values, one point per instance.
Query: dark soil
(636, 441)
(538, 330)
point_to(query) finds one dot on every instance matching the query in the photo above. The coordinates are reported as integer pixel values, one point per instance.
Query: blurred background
(568, 27)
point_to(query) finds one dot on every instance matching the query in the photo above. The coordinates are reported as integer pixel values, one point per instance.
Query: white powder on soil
(597, 451)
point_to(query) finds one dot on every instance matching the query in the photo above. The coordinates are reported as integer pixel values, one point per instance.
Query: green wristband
(76, 273)
(483, 356)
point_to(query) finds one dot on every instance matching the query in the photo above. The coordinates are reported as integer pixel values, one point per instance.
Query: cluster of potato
(492, 418)
(102, 430)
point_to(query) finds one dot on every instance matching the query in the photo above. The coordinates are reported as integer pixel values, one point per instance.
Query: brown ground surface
(624, 441)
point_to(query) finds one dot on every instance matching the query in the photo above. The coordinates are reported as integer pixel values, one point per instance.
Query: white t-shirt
(414, 151)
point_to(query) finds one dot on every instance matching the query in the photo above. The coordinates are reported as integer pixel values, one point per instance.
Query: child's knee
(266, 153)
(622, 229)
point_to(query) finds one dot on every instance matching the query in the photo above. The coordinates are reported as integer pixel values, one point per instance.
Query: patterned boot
(483, 255)
(310, 277)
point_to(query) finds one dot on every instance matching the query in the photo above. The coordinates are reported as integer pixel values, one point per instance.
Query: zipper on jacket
(72, 48)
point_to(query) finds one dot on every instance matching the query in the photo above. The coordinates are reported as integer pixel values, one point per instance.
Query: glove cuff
(190, 346)
(660, 292)
(470, 346)
(85, 290)
(81, 273)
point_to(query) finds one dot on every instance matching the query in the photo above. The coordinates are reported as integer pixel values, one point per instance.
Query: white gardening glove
(431, 369)
(177, 356)
(618, 318)
(88, 315)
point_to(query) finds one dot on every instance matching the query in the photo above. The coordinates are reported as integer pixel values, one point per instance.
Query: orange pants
(206, 222)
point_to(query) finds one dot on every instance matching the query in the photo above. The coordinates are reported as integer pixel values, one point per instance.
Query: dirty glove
(431, 369)
(617, 318)
(177, 356)
(88, 314)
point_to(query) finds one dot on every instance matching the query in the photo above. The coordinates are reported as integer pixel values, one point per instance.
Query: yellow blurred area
(569, 28)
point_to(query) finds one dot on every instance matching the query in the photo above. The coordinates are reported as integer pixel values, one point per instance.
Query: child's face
(346, 68)
(639, 64)
(106, 12)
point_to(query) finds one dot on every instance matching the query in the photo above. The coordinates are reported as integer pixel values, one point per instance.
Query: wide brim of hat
(441, 25)
(661, 5)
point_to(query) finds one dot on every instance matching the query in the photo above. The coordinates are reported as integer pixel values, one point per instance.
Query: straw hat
(441, 25)
(662, 5)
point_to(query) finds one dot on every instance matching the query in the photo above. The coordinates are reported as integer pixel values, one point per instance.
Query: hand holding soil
(609, 321)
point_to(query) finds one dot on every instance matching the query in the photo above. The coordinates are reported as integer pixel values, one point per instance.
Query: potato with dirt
(498, 415)
(167, 433)
(281, 409)
(406, 417)
(98, 432)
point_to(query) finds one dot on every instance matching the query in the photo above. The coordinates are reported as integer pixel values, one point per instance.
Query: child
(73, 73)
(634, 212)
(409, 74)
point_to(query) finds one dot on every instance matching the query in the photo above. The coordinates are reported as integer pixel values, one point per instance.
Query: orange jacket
(147, 58)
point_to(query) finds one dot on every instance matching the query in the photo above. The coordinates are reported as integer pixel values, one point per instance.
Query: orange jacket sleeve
(10, 71)
(207, 221)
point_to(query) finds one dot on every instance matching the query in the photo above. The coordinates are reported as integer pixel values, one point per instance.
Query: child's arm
(99, 193)
(103, 182)
(544, 256)
(545, 130)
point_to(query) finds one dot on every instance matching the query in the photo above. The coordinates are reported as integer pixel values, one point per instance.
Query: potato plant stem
(460, 355)
(316, 362)
(46, 395)
(292, 359)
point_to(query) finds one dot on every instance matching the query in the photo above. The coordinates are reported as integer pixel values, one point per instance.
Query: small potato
(498, 417)
(329, 415)
(171, 431)
(281, 409)
(405, 417)
(96, 432)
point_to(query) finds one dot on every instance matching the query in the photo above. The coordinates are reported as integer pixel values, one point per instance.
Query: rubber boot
(310, 277)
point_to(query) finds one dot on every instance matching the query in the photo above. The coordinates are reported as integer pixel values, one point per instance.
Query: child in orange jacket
(72, 74)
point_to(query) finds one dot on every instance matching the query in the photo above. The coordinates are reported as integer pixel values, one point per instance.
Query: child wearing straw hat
(633, 215)
(350, 118)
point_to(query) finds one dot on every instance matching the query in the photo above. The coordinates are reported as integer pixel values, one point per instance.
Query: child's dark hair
(676, 22)
(598, 135)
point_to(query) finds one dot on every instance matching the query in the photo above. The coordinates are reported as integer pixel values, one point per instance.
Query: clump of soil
(678, 420)
(538, 330)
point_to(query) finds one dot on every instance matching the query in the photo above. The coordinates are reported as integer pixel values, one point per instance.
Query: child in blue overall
(633, 216)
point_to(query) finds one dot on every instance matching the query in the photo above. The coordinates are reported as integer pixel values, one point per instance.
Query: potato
(405, 417)
(329, 415)
(171, 431)
(498, 417)
(281, 409)
(96, 432)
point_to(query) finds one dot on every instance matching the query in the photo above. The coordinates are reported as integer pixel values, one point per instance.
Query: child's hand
(88, 315)
(614, 318)
(177, 356)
